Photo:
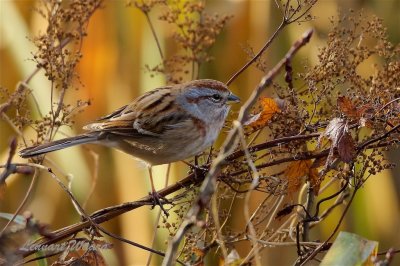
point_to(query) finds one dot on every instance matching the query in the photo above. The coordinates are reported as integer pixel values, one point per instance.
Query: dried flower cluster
(58, 53)
(195, 32)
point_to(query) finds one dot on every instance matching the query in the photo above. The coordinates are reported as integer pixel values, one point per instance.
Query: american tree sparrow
(165, 125)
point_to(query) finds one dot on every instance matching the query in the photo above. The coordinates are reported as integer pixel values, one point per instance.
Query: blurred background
(112, 73)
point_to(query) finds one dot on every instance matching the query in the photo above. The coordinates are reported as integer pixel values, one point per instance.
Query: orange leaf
(347, 106)
(294, 172)
(269, 108)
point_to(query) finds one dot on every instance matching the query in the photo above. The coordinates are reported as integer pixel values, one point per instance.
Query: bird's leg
(155, 195)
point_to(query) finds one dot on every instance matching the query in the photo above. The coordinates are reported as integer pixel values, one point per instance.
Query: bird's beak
(233, 98)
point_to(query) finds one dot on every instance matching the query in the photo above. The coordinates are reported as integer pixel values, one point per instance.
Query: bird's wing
(150, 115)
(116, 113)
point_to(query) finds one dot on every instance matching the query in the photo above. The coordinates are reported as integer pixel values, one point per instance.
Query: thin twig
(95, 177)
(262, 50)
(153, 32)
(158, 217)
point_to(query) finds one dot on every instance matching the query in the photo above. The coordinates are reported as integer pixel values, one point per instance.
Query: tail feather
(57, 145)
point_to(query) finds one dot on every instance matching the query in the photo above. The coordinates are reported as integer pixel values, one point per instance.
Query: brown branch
(271, 143)
(107, 214)
(308, 209)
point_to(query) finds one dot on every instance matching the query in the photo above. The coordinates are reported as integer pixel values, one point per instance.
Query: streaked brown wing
(151, 114)
(116, 113)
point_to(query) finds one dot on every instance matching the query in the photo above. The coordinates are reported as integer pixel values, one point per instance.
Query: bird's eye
(216, 97)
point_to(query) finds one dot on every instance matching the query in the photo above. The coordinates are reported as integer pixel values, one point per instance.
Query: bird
(164, 125)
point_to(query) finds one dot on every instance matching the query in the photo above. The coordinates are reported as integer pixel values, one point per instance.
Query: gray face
(206, 103)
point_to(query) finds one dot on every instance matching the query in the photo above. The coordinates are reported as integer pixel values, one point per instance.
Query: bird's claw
(160, 201)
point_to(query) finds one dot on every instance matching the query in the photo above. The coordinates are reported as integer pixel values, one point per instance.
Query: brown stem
(153, 32)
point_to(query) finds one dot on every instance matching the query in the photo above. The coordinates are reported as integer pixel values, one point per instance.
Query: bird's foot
(160, 201)
(198, 170)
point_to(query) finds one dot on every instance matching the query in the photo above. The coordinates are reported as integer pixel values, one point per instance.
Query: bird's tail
(58, 145)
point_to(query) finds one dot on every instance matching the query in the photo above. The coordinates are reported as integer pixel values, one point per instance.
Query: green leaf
(350, 249)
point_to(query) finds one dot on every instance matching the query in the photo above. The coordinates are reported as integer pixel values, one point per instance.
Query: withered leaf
(94, 257)
(334, 130)
(294, 172)
(346, 148)
(347, 107)
(337, 132)
(298, 169)
(103, 244)
(269, 108)
(197, 257)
